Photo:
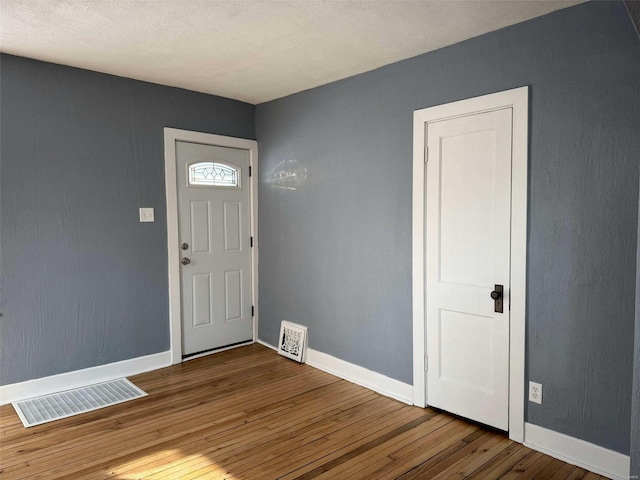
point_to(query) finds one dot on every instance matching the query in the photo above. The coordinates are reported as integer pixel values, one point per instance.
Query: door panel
(200, 227)
(213, 220)
(201, 299)
(466, 250)
(467, 253)
(472, 334)
(233, 295)
(232, 226)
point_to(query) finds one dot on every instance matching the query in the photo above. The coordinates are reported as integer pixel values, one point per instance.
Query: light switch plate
(146, 215)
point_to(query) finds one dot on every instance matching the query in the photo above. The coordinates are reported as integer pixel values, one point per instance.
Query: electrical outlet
(146, 215)
(535, 392)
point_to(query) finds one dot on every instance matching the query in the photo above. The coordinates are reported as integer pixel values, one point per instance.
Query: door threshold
(193, 356)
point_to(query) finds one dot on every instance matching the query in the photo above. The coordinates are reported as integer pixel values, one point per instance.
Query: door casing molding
(518, 100)
(171, 135)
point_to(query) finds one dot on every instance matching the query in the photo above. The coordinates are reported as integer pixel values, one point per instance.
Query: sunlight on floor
(173, 463)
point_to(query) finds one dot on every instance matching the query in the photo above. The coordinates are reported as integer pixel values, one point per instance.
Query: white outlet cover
(146, 215)
(535, 392)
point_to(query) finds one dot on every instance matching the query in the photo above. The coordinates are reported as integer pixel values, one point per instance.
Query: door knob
(496, 295)
(185, 261)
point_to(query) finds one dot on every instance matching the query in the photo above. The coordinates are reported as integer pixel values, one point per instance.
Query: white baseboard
(375, 381)
(577, 452)
(80, 378)
(364, 377)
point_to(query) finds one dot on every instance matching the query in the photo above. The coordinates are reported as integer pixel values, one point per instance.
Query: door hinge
(252, 310)
(249, 170)
(251, 242)
(426, 362)
(426, 154)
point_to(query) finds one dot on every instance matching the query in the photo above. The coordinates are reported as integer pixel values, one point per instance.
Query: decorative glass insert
(213, 174)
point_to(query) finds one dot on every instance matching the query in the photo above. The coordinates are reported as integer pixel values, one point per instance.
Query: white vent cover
(293, 341)
(48, 408)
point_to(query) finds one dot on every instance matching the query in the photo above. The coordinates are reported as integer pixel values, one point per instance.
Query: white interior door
(215, 242)
(468, 214)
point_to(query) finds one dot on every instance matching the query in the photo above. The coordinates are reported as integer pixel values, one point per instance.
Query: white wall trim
(364, 377)
(577, 452)
(518, 100)
(171, 135)
(80, 378)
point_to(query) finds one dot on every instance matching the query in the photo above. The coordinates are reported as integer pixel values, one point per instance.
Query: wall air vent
(293, 341)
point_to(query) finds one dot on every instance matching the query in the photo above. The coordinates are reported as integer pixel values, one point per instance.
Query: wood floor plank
(129, 439)
(564, 472)
(313, 422)
(535, 468)
(475, 459)
(577, 474)
(522, 466)
(550, 469)
(432, 449)
(253, 424)
(592, 476)
(145, 407)
(335, 459)
(249, 413)
(281, 450)
(341, 443)
(283, 447)
(365, 453)
(437, 464)
(277, 465)
(154, 437)
(501, 463)
(388, 455)
(334, 444)
(220, 439)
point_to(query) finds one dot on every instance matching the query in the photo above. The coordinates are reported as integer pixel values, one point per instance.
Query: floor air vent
(56, 406)
(293, 341)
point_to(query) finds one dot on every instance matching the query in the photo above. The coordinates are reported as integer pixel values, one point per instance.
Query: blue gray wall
(83, 283)
(633, 7)
(635, 400)
(634, 13)
(335, 252)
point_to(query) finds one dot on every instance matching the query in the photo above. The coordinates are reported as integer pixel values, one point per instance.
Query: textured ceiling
(253, 51)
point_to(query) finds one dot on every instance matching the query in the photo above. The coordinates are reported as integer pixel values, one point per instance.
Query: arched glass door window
(214, 174)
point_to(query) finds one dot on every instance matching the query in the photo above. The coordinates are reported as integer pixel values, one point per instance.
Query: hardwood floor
(250, 414)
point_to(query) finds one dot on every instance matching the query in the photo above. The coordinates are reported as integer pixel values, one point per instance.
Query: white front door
(468, 215)
(215, 246)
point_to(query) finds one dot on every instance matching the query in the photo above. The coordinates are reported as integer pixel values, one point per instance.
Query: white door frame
(171, 135)
(518, 100)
